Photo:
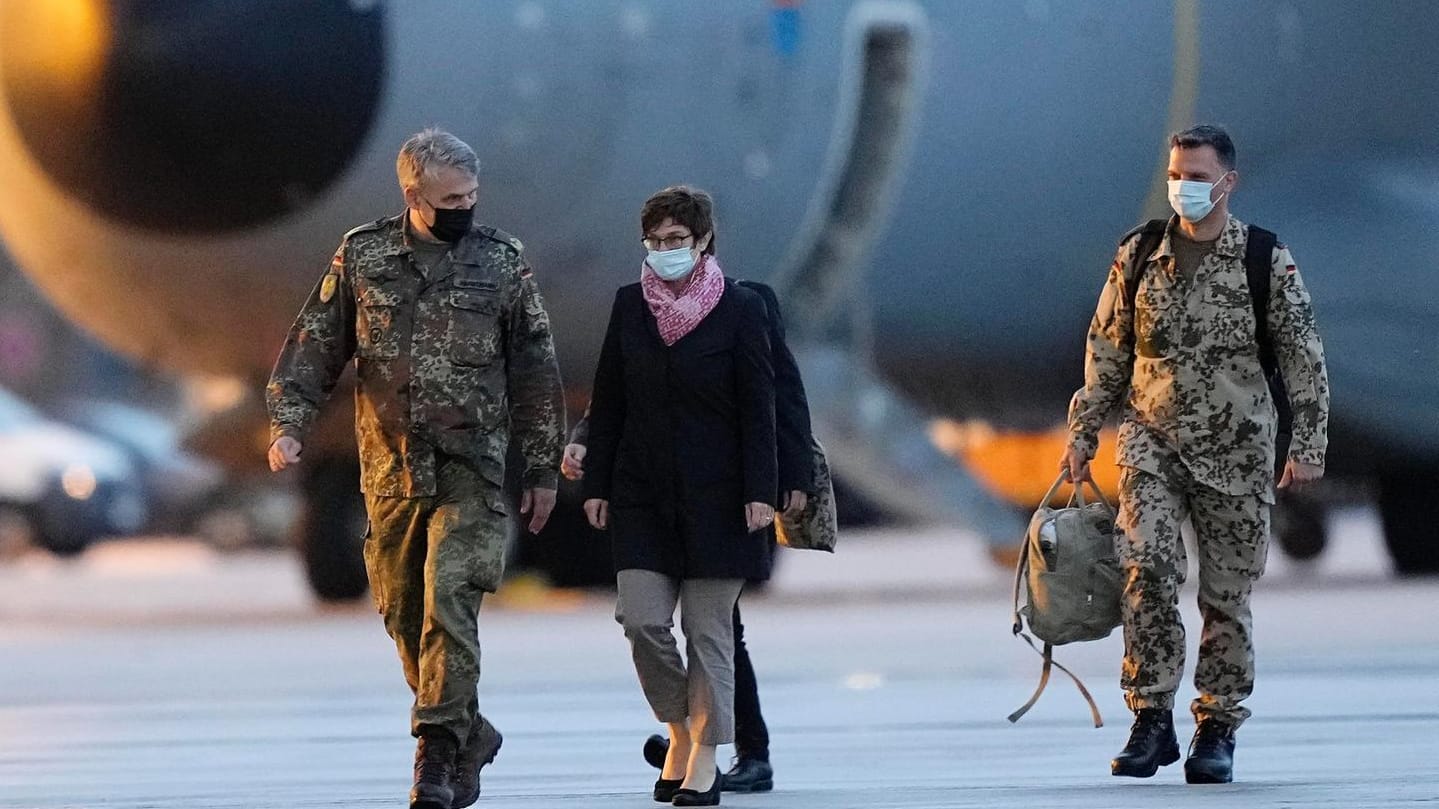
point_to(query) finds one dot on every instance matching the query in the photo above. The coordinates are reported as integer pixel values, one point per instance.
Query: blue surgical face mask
(1190, 198)
(672, 265)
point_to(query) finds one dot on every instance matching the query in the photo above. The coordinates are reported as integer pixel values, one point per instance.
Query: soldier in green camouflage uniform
(453, 351)
(1197, 441)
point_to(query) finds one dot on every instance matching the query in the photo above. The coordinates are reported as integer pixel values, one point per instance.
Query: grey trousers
(703, 691)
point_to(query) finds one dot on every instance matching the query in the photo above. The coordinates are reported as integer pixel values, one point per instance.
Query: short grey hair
(428, 150)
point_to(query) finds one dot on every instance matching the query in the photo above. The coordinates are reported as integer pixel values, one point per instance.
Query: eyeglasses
(666, 243)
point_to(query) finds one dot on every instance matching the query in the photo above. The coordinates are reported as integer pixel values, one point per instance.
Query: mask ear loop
(1220, 180)
(435, 213)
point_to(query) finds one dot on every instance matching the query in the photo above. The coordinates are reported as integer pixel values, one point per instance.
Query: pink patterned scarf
(679, 314)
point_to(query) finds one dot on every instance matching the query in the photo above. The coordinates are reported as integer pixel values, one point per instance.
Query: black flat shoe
(690, 797)
(665, 789)
(657, 748)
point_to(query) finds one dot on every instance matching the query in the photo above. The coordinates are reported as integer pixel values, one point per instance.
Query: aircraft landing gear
(1299, 527)
(332, 528)
(1410, 531)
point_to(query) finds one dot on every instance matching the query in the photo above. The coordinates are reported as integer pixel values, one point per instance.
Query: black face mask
(451, 224)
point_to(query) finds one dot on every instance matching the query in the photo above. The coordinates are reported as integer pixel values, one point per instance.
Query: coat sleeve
(1108, 356)
(320, 343)
(606, 413)
(537, 414)
(754, 371)
(580, 433)
(1295, 336)
(793, 432)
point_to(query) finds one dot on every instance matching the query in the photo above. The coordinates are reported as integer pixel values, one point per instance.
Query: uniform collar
(397, 234)
(465, 251)
(1230, 243)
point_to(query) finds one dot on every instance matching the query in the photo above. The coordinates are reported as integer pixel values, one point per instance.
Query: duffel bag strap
(1049, 661)
(1022, 566)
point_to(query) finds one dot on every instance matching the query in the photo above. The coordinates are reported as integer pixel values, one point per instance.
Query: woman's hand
(598, 513)
(757, 516)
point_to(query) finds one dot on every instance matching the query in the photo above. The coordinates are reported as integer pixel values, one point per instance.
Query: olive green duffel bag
(1069, 574)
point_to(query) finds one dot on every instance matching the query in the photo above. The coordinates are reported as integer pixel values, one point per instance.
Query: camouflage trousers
(430, 560)
(1231, 534)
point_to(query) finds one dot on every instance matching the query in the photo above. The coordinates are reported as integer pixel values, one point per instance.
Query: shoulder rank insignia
(328, 286)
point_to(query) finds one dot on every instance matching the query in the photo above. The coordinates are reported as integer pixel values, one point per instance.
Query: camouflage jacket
(448, 363)
(1185, 364)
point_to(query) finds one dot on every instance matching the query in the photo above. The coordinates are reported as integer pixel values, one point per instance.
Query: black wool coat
(681, 437)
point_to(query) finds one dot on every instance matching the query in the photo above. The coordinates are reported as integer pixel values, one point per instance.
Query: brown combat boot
(480, 749)
(434, 771)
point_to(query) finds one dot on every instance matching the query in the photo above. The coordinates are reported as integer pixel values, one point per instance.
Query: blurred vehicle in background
(61, 489)
(179, 487)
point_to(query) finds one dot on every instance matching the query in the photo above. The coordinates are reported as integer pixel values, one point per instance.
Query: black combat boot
(480, 749)
(434, 771)
(1152, 744)
(1211, 754)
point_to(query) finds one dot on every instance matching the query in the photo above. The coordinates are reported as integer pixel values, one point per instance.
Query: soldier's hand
(598, 513)
(1298, 474)
(283, 452)
(758, 515)
(573, 466)
(1076, 464)
(794, 503)
(538, 503)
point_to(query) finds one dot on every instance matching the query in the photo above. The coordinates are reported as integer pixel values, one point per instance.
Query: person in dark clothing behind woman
(751, 771)
(684, 474)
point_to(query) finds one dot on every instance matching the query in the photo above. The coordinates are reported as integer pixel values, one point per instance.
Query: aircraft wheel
(332, 529)
(1299, 527)
(1410, 529)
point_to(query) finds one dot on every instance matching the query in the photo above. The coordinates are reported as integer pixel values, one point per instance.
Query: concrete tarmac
(172, 678)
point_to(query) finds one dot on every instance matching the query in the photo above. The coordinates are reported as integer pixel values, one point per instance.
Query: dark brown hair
(1206, 135)
(688, 206)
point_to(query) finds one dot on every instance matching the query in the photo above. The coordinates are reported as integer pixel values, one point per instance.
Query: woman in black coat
(751, 771)
(682, 471)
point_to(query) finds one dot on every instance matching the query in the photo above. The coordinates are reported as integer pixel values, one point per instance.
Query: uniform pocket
(490, 531)
(1229, 317)
(376, 335)
(474, 315)
(1154, 316)
(377, 583)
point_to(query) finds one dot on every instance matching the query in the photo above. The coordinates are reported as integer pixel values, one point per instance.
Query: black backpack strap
(1258, 267)
(1150, 234)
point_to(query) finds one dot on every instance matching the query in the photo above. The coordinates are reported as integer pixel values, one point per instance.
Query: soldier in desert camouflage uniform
(453, 349)
(1197, 440)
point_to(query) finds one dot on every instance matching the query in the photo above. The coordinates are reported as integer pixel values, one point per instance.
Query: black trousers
(751, 737)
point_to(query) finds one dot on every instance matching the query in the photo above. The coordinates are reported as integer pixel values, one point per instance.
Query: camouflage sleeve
(537, 412)
(315, 352)
(1301, 359)
(1108, 357)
